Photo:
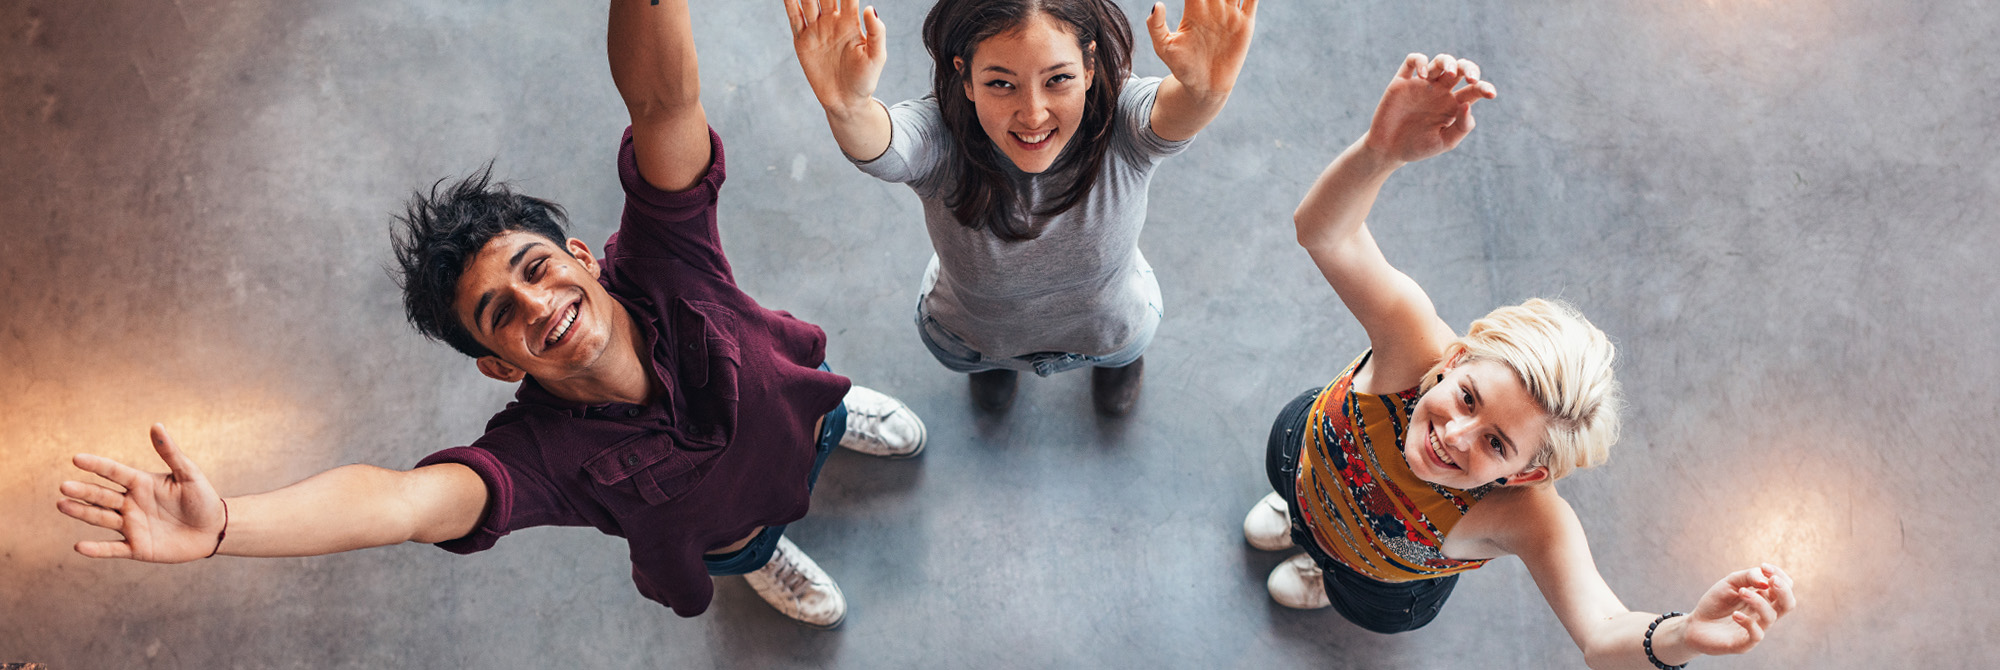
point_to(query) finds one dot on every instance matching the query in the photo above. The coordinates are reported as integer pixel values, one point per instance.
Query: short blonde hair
(1565, 363)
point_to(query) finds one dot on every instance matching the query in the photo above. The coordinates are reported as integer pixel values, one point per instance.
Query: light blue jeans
(952, 351)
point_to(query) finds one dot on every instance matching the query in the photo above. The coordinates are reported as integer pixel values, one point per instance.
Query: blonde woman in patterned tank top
(1433, 453)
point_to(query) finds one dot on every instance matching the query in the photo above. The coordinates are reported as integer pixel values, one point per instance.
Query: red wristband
(221, 533)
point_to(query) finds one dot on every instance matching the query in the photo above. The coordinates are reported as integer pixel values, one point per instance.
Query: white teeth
(1438, 450)
(564, 328)
(1035, 139)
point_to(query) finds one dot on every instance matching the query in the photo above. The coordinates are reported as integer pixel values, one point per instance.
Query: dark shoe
(993, 390)
(1116, 390)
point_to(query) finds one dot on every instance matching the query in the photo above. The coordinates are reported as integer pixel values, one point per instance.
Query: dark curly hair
(440, 233)
(985, 198)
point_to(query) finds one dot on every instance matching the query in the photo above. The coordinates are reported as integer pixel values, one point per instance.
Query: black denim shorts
(1382, 607)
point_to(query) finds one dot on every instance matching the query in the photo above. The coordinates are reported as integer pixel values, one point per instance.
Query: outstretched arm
(653, 62)
(178, 517)
(1204, 54)
(842, 63)
(1731, 618)
(1423, 113)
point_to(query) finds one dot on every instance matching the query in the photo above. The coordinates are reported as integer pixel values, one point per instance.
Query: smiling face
(1477, 425)
(537, 306)
(1028, 86)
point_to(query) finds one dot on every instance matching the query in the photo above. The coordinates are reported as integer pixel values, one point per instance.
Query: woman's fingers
(1750, 627)
(1156, 23)
(1757, 606)
(91, 514)
(1781, 594)
(1444, 70)
(1413, 67)
(1195, 11)
(796, 16)
(1468, 69)
(878, 46)
(1461, 125)
(1748, 577)
(1475, 91)
(1437, 67)
(100, 549)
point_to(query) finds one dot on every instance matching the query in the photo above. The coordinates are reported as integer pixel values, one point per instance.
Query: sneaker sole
(923, 440)
(831, 626)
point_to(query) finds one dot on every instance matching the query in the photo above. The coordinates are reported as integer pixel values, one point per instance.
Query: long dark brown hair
(984, 198)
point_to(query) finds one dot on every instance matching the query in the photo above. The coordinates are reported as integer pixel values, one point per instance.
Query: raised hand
(1425, 112)
(1736, 612)
(1206, 52)
(841, 62)
(164, 518)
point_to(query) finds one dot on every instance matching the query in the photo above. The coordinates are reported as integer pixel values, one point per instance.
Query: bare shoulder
(1513, 521)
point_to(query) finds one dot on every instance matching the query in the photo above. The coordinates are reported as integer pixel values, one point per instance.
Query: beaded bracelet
(1649, 642)
(225, 532)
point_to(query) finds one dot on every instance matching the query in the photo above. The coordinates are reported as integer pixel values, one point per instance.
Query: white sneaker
(1268, 527)
(1297, 583)
(795, 585)
(879, 425)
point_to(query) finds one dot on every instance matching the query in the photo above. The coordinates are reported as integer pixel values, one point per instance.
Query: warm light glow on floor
(221, 428)
(1794, 527)
(1808, 510)
(232, 433)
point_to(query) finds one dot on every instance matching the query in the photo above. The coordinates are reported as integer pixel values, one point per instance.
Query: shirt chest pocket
(649, 467)
(707, 361)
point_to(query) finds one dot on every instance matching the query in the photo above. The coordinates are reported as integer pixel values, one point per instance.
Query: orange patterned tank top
(1360, 498)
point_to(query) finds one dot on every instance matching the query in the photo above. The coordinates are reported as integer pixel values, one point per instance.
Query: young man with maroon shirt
(658, 402)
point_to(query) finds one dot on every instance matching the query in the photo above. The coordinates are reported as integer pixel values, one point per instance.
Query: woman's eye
(1061, 79)
(1498, 448)
(535, 271)
(999, 84)
(1465, 396)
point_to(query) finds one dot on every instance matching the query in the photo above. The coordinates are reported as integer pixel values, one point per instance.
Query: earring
(1501, 481)
(1440, 378)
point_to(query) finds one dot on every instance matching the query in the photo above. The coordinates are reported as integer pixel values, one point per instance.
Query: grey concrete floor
(1781, 211)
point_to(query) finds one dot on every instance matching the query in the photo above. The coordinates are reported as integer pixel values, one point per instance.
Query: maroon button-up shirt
(726, 451)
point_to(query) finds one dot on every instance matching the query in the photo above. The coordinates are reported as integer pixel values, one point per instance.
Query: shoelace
(788, 576)
(871, 420)
(867, 414)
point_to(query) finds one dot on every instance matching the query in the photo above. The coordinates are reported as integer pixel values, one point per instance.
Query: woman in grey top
(1038, 265)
